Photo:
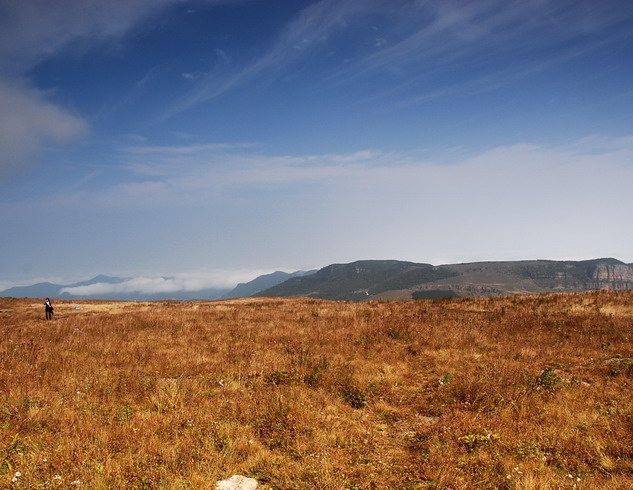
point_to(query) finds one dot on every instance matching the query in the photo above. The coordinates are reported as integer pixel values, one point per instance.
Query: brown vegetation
(511, 392)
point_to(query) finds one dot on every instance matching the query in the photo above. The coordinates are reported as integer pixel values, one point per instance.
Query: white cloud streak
(425, 40)
(311, 28)
(538, 182)
(434, 40)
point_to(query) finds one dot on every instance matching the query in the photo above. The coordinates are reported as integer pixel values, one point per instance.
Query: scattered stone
(619, 360)
(428, 419)
(237, 482)
(619, 365)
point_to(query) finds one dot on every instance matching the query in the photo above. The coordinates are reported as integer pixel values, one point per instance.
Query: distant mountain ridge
(392, 279)
(51, 290)
(261, 283)
(386, 279)
(358, 280)
(39, 290)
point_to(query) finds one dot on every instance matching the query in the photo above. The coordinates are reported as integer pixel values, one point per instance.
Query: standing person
(48, 308)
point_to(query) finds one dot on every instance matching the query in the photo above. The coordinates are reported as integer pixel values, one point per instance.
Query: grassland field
(525, 392)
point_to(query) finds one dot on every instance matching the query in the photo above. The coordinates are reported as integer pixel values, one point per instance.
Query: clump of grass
(313, 376)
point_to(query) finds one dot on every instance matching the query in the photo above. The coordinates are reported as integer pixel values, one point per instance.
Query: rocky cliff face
(613, 272)
(613, 276)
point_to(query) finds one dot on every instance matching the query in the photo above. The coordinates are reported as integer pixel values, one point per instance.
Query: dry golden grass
(515, 392)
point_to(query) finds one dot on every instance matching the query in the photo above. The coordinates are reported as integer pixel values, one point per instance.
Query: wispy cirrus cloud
(311, 28)
(423, 44)
(440, 49)
(223, 166)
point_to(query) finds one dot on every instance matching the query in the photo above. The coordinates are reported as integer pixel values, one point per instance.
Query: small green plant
(313, 377)
(124, 413)
(395, 333)
(14, 448)
(353, 395)
(475, 441)
(548, 379)
(446, 379)
(530, 450)
(277, 378)
(315, 372)
(367, 341)
(609, 409)
(582, 426)
(619, 365)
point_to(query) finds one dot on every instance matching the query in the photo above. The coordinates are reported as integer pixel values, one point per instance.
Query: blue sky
(216, 140)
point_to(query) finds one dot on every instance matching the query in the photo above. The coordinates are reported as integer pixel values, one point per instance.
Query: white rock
(237, 482)
(427, 419)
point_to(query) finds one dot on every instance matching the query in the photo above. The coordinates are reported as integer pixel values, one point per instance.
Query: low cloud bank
(158, 285)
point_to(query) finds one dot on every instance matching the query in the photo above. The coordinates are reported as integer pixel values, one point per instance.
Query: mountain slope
(358, 280)
(39, 290)
(99, 279)
(390, 279)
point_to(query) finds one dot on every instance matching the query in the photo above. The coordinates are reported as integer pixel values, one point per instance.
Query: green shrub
(548, 379)
(475, 441)
(277, 378)
(353, 395)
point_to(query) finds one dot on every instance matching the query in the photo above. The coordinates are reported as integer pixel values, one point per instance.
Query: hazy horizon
(209, 140)
(192, 281)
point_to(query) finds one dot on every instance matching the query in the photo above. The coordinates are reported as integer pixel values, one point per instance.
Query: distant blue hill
(242, 290)
(261, 283)
(39, 290)
(99, 279)
(50, 290)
